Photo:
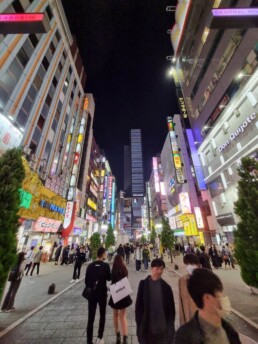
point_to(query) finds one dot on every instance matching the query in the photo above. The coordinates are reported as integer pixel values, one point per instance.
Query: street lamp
(241, 75)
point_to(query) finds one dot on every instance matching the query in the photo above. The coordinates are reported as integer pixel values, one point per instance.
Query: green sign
(25, 199)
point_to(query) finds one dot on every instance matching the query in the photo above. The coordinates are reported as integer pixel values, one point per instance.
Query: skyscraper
(136, 163)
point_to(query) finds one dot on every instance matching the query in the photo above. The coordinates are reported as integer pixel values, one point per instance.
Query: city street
(66, 316)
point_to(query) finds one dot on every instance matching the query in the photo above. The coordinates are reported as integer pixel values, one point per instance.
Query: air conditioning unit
(27, 150)
(225, 127)
(33, 165)
(33, 157)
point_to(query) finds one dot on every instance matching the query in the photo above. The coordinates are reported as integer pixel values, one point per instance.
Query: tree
(11, 176)
(95, 244)
(167, 237)
(246, 235)
(143, 239)
(153, 236)
(110, 238)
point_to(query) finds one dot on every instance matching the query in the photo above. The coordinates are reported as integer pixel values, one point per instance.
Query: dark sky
(124, 44)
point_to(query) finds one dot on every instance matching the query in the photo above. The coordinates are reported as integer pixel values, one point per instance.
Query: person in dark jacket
(204, 259)
(97, 275)
(127, 253)
(121, 251)
(207, 325)
(155, 308)
(79, 259)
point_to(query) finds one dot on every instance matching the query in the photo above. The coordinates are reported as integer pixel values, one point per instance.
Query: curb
(240, 315)
(35, 310)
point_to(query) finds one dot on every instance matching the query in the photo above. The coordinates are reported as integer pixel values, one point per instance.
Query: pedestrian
(225, 257)
(208, 324)
(204, 259)
(8, 304)
(110, 253)
(65, 255)
(119, 271)
(138, 257)
(79, 259)
(155, 308)
(71, 254)
(230, 255)
(213, 253)
(97, 275)
(127, 253)
(146, 257)
(120, 250)
(58, 253)
(36, 261)
(187, 307)
(29, 259)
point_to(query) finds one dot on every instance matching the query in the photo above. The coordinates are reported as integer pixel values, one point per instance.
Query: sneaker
(137, 271)
(77, 280)
(9, 310)
(72, 281)
(100, 341)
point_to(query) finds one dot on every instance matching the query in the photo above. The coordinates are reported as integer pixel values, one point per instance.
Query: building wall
(136, 163)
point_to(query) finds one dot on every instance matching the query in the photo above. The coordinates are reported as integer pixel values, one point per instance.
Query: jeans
(10, 296)
(27, 268)
(146, 263)
(92, 306)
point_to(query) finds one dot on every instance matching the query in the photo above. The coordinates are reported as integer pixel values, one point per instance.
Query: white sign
(198, 216)
(239, 131)
(10, 136)
(68, 214)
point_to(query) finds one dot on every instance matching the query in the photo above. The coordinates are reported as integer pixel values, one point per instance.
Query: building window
(52, 48)
(37, 82)
(41, 122)
(49, 13)
(33, 147)
(17, 6)
(23, 57)
(45, 63)
(48, 100)
(54, 81)
(58, 37)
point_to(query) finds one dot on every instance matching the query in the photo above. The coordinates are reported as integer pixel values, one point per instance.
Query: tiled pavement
(64, 319)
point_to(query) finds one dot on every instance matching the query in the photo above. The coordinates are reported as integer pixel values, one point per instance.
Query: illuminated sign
(23, 23)
(189, 224)
(198, 216)
(86, 104)
(90, 218)
(162, 189)
(10, 136)
(92, 204)
(182, 106)
(175, 151)
(233, 18)
(52, 207)
(156, 174)
(25, 198)
(239, 131)
(185, 202)
(44, 224)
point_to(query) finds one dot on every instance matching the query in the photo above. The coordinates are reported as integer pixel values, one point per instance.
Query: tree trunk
(171, 256)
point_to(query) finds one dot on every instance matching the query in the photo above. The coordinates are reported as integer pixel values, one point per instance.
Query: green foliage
(11, 176)
(95, 244)
(143, 239)
(153, 236)
(246, 235)
(110, 238)
(167, 236)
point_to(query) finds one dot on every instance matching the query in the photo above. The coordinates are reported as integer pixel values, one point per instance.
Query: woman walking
(8, 304)
(118, 272)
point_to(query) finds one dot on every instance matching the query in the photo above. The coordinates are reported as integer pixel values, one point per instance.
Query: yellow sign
(86, 103)
(189, 224)
(177, 161)
(201, 238)
(92, 204)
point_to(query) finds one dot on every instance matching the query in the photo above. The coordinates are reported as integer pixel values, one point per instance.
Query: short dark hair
(101, 251)
(202, 248)
(158, 262)
(203, 281)
(191, 258)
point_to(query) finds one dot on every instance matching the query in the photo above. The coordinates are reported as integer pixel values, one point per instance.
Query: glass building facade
(136, 163)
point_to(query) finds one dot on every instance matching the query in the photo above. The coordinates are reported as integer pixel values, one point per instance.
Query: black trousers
(77, 270)
(10, 296)
(138, 264)
(27, 268)
(92, 306)
(33, 267)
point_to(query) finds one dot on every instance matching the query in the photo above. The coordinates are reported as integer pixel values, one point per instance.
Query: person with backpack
(15, 278)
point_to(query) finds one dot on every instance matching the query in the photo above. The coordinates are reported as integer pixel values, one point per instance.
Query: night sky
(124, 44)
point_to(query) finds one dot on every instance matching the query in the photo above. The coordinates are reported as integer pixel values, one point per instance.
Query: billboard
(10, 137)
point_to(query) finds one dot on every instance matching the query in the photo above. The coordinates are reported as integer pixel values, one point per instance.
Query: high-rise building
(127, 171)
(215, 71)
(136, 163)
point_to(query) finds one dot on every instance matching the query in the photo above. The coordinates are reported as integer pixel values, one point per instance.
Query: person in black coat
(207, 325)
(121, 251)
(155, 308)
(79, 259)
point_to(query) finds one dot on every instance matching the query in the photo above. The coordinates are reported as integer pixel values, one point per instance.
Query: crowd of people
(202, 304)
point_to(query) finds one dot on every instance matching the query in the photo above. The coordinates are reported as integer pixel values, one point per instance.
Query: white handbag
(120, 289)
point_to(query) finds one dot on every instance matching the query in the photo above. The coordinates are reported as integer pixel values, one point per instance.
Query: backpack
(14, 274)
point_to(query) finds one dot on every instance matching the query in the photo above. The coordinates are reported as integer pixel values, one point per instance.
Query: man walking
(207, 325)
(79, 259)
(36, 261)
(138, 257)
(146, 257)
(97, 275)
(155, 308)
(29, 259)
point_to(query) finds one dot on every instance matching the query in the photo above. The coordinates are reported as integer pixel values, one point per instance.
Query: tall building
(43, 109)
(215, 69)
(136, 163)
(127, 171)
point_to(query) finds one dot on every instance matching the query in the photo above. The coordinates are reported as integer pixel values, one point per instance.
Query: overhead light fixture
(206, 127)
(174, 59)
(11, 118)
(66, 83)
(21, 129)
(241, 75)
(197, 142)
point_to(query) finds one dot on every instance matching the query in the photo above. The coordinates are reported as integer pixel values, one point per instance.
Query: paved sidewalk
(64, 319)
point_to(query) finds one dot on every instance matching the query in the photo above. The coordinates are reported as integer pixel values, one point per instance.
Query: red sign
(21, 17)
(23, 23)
